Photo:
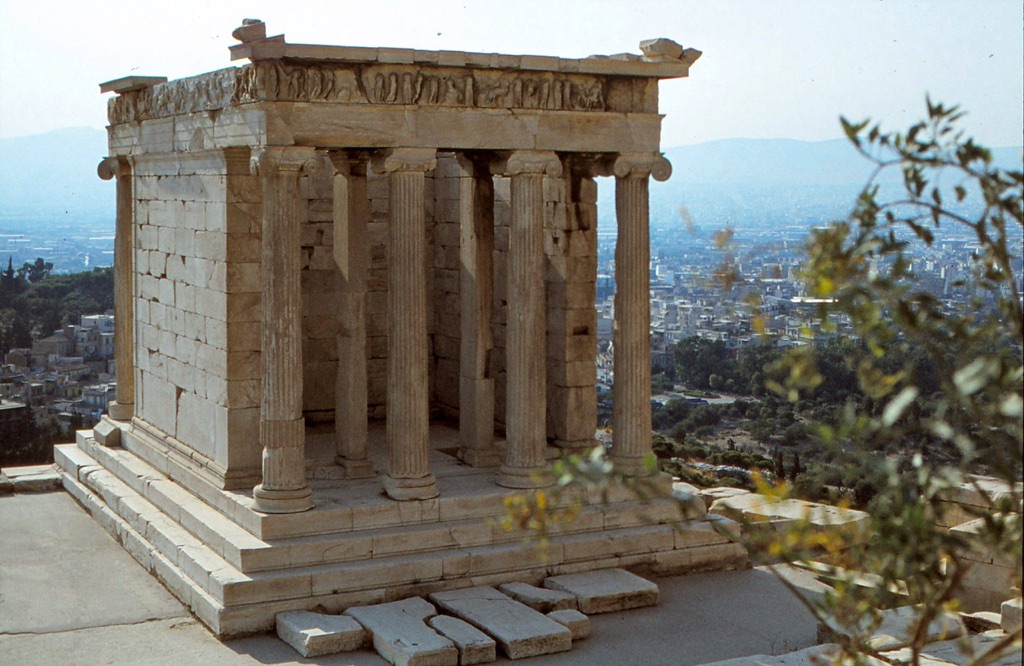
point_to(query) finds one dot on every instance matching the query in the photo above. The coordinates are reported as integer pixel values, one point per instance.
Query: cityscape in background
(725, 257)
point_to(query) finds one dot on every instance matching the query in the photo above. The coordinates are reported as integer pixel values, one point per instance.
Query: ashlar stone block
(606, 591)
(575, 621)
(401, 635)
(318, 634)
(539, 599)
(475, 647)
(519, 630)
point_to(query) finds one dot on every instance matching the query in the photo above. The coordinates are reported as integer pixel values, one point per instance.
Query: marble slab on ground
(519, 630)
(539, 599)
(474, 646)
(401, 635)
(318, 634)
(576, 622)
(606, 591)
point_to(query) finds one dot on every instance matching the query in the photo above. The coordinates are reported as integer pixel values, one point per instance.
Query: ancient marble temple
(355, 300)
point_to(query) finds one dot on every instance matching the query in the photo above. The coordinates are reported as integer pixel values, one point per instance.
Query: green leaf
(894, 410)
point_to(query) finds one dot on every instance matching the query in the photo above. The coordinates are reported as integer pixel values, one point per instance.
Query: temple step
(236, 583)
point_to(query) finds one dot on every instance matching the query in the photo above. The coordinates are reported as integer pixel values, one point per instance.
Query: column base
(480, 458)
(121, 412)
(425, 487)
(282, 501)
(524, 478)
(631, 466)
(357, 469)
(577, 447)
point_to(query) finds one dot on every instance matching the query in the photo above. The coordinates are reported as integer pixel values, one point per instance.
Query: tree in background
(956, 404)
(966, 362)
(35, 271)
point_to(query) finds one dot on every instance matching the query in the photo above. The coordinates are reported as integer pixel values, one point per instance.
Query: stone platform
(236, 568)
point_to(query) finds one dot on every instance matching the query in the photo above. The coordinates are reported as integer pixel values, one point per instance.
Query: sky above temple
(769, 69)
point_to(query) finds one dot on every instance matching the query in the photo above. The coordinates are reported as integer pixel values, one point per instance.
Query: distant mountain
(52, 176)
(731, 181)
(759, 182)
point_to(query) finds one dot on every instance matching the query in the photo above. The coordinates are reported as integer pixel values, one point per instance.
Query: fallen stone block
(709, 495)
(1010, 615)
(401, 635)
(980, 621)
(318, 634)
(960, 651)
(896, 629)
(753, 508)
(606, 591)
(33, 478)
(539, 599)
(691, 504)
(519, 630)
(474, 646)
(576, 622)
(812, 656)
(727, 527)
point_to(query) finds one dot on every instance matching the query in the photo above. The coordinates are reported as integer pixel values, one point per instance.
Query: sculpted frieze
(363, 84)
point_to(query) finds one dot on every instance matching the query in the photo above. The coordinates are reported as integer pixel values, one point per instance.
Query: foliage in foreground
(861, 267)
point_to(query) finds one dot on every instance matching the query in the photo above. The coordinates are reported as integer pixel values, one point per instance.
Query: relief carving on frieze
(483, 89)
(362, 84)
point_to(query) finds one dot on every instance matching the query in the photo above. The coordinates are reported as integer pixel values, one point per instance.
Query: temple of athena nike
(355, 312)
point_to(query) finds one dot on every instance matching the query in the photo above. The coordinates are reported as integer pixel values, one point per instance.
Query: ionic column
(476, 247)
(282, 429)
(631, 415)
(408, 476)
(351, 255)
(525, 421)
(123, 407)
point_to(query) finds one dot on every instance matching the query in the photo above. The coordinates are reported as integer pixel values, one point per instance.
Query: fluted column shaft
(408, 476)
(525, 421)
(123, 407)
(282, 429)
(476, 247)
(631, 415)
(351, 256)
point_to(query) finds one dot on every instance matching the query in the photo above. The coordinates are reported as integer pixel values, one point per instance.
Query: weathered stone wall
(320, 296)
(197, 254)
(445, 294)
(502, 223)
(570, 246)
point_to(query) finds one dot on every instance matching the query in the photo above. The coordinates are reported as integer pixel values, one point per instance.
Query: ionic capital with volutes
(404, 159)
(113, 166)
(349, 162)
(519, 162)
(272, 159)
(641, 165)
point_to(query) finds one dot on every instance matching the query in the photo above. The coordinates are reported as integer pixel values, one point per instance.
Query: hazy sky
(770, 69)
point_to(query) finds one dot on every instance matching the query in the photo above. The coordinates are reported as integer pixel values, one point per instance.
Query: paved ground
(70, 595)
